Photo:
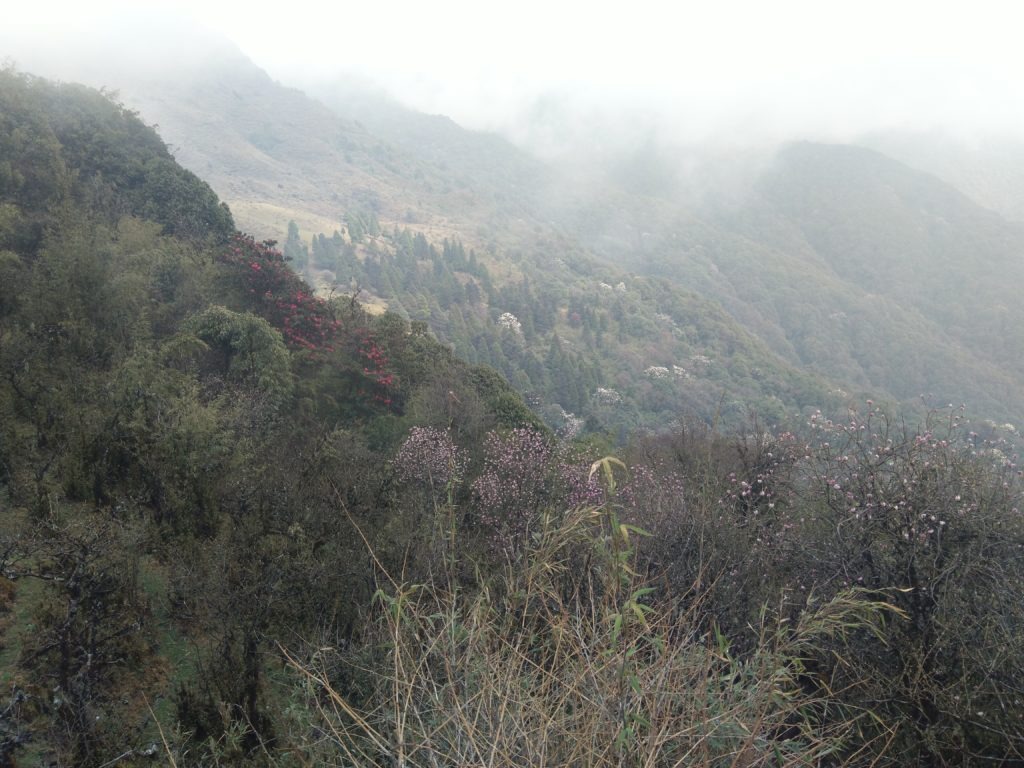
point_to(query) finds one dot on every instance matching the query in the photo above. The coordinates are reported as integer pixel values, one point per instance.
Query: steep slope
(168, 388)
(855, 266)
(181, 422)
(486, 162)
(276, 155)
(225, 501)
(990, 170)
(834, 263)
(944, 268)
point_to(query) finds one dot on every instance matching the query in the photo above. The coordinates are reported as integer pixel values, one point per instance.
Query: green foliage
(154, 408)
(120, 165)
(245, 351)
(571, 341)
(90, 635)
(294, 249)
(203, 500)
(32, 172)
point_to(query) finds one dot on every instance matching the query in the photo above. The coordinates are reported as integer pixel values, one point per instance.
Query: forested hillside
(182, 427)
(809, 277)
(242, 524)
(989, 171)
(866, 271)
(374, 204)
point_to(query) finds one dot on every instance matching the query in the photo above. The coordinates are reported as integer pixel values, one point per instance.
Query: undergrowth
(570, 657)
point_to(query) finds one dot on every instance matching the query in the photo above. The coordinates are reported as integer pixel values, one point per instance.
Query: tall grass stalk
(568, 658)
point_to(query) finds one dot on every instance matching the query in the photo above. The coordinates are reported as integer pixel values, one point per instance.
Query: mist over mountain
(835, 260)
(378, 382)
(989, 170)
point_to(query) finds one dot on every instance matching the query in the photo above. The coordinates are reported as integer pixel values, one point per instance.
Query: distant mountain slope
(862, 269)
(276, 155)
(945, 266)
(842, 270)
(989, 171)
(483, 160)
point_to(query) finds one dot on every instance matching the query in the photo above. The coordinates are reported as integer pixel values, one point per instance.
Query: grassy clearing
(269, 220)
(176, 660)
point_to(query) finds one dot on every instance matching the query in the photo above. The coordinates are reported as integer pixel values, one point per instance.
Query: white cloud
(814, 66)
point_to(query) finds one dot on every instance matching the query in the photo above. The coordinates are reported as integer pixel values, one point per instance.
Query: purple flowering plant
(430, 458)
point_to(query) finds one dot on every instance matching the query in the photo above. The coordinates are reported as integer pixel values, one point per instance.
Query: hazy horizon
(550, 74)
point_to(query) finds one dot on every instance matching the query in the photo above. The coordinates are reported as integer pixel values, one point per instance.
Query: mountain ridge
(802, 251)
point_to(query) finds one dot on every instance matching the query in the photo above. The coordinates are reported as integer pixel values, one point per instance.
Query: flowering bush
(653, 496)
(887, 494)
(579, 488)
(510, 322)
(307, 322)
(280, 296)
(514, 484)
(926, 520)
(429, 457)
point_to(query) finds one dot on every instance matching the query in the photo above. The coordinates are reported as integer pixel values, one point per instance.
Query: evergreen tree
(295, 250)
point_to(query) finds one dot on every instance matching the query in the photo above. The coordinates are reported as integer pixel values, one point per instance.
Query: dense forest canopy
(243, 522)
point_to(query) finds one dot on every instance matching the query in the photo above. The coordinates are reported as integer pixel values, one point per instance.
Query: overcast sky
(803, 66)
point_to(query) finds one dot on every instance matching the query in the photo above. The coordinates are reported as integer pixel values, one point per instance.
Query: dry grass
(269, 219)
(567, 660)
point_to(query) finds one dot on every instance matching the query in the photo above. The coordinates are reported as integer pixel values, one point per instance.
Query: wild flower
(514, 484)
(656, 372)
(652, 497)
(510, 322)
(605, 396)
(430, 457)
(306, 321)
(579, 487)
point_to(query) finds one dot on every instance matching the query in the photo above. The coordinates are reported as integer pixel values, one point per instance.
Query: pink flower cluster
(513, 487)
(653, 497)
(430, 457)
(579, 487)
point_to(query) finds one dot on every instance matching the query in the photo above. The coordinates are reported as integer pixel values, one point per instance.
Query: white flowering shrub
(656, 372)
(604, 396)
(510, 322)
